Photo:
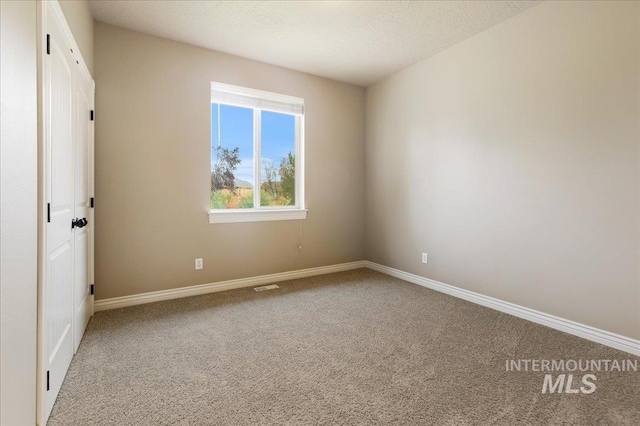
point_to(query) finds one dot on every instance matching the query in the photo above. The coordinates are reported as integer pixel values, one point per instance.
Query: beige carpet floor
(357, 347)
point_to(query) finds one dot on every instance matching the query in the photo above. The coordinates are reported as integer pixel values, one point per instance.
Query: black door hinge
(48, 212)
(48, 44)
(91, 202)
(91, 115)
(92, 289)
(47, 379)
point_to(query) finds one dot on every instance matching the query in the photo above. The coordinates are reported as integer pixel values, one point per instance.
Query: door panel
(59, 324)
(59, 155)
(82, 297)
(82, 294)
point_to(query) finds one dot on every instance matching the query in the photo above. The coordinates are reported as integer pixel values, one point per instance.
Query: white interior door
(66, 302)
(83, 235)
(59, 168)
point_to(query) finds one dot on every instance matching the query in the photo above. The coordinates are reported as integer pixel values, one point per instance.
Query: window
(256, 155)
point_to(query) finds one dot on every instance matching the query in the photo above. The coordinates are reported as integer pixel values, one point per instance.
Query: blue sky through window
(236, 130)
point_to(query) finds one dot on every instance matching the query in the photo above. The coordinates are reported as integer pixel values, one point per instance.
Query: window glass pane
(277, 158)
(231, 157)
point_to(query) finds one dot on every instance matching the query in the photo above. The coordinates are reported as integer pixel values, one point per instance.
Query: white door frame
(43, 7)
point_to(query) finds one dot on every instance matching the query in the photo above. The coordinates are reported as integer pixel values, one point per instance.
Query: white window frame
(258, 101)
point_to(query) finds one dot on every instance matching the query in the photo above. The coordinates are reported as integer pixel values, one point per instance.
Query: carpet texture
(358, 347)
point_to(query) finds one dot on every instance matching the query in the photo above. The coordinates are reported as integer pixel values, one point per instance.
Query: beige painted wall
(78, 16)
(19, 212)
(513, 159)
(153, 169)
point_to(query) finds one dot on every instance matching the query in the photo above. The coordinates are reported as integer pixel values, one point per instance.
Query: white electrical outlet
(424, 257)
(199, 264)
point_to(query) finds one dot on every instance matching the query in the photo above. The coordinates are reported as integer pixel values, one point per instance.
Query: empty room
(319, 212)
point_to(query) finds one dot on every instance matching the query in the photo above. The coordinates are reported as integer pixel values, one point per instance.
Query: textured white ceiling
(357, 42)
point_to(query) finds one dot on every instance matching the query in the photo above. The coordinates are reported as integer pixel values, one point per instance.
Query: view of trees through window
(233, 164)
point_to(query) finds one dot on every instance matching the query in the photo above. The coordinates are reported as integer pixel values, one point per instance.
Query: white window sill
(236, 216)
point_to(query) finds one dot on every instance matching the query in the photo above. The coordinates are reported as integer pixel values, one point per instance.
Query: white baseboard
(176, 293)
(606, 338)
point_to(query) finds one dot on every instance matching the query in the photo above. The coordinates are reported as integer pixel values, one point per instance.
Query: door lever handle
(79, 223)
